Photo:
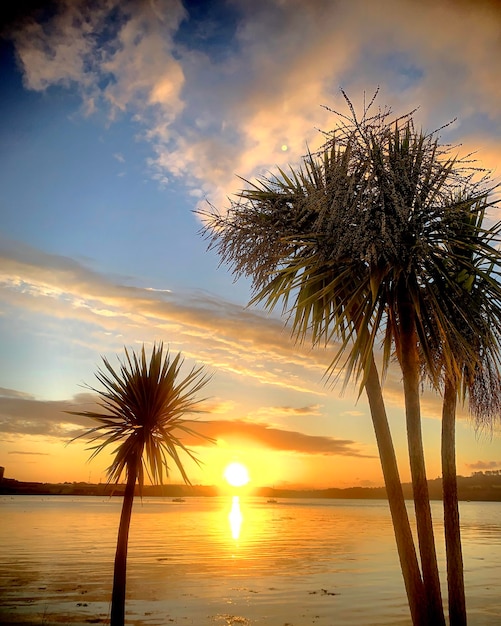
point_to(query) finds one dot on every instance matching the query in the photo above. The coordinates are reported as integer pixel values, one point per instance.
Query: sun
(236, 475)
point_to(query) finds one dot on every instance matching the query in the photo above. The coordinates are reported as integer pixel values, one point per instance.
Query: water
(227, 561)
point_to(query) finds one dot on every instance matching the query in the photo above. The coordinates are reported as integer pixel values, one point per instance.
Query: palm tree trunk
(409, 361)
(455, 577)
(403, 534)
(120, 569)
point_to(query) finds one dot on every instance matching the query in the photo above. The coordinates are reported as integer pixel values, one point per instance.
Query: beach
(226, 561)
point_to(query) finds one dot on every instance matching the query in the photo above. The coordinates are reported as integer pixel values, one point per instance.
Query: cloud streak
(22, 452)
(279, 439)
(220, 334)
(28, 416)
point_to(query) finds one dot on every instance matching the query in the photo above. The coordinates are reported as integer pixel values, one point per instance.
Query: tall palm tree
(272, 239)
(474, 257)
(355, 240)
(143, 406)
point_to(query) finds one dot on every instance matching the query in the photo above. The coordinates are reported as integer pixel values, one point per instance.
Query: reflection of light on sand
(235, 517)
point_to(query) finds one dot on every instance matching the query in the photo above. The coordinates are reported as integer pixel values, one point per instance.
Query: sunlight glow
(235, 518)
(236, 475)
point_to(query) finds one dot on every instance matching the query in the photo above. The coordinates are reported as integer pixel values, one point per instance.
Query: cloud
(278, 414)
(484, 465)
(28, 453)
(312, 409)
(218, 98)
(13, 393)
(278, 439)
(222, 335)
(117, 53)
(246, 351)
(21, 416)
(58, 51)
(352, 413)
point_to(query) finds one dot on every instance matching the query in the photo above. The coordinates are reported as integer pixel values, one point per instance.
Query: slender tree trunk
(120, 569)
(403, 534)
(455, 577)
(409, 362)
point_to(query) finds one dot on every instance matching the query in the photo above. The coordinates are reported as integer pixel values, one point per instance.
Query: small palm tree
(143, 406)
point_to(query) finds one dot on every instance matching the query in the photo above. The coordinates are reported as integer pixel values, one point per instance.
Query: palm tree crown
(144, 404)
(367, 221)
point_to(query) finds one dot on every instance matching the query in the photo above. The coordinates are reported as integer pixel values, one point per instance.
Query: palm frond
(369, 221)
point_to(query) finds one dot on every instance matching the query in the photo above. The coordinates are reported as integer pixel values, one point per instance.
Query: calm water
(227, 561)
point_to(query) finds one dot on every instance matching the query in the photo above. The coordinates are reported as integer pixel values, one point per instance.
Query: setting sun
(236, 474)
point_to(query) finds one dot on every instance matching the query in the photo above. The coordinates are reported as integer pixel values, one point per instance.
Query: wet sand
(80, 605)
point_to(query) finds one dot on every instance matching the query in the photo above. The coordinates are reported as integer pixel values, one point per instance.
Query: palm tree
(355, 239)
(273, 240)
(143, 406)
(476, 373)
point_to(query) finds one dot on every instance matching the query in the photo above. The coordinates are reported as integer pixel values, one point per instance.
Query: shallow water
(227, 561)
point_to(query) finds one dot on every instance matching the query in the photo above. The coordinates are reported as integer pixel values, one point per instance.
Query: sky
(120, 118)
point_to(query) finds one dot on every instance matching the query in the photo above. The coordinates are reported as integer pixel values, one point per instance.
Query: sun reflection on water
(235, 518)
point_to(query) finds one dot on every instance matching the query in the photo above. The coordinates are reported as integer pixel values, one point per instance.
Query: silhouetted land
(480, 486)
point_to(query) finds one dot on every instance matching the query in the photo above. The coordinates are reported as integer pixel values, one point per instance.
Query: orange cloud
(278, 439)
(28, 416)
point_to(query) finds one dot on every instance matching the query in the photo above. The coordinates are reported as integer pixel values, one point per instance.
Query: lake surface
(227, 561)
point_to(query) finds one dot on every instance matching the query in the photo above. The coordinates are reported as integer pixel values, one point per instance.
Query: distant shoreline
(478, 487)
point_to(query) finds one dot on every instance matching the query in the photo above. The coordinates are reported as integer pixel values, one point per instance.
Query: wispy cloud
(22, 452)
(222, 335)
(279, 414)
(13, 393)
(239, 345)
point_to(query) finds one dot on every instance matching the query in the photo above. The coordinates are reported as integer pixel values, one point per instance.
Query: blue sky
(117, 122)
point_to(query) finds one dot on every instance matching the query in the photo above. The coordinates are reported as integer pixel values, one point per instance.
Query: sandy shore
(83, 604)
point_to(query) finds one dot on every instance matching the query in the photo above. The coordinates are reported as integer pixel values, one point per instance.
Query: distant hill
(480, 486)
(10, 486)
